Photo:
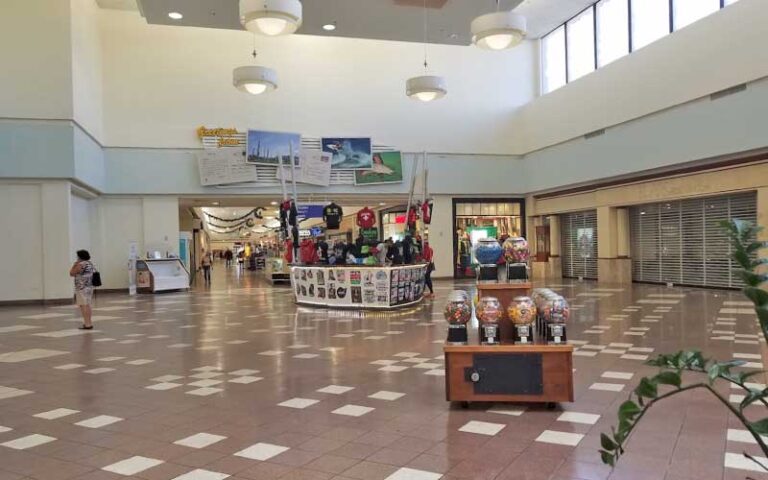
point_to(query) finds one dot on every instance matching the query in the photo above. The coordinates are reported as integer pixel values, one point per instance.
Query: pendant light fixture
(426, 87)
(254, 79)
(498, 30)
(271, 17)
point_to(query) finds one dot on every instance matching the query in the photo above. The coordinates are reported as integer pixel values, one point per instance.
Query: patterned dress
(84, 283)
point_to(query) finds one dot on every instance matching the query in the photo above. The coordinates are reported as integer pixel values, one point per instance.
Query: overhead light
(175, 15)
(498, 30)
(329, 27)
(215, 203)
(273, 203)
(381, 204)
(254, 79)
(271, 17)
(426, 88)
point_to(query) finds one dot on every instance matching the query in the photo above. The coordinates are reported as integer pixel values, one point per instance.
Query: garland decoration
(256, 212)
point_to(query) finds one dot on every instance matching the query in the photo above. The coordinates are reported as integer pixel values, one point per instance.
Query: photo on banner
(273, 148)
(387, 168)
(348, 153)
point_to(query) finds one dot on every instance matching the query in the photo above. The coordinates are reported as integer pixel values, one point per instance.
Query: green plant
(669, 381)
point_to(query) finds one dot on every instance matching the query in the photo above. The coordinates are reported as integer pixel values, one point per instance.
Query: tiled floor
(237, 382)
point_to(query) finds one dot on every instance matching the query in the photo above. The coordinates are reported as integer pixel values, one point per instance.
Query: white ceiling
(372, 19)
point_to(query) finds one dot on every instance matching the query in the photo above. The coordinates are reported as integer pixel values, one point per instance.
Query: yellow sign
(228, 142)
(216, 132)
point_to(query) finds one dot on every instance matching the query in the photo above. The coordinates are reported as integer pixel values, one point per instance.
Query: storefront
(474, 219)
(681, 242)
(392, 221)
(579, 244)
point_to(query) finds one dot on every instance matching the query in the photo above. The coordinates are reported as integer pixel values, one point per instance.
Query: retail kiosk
(161, 274)
(359, 286)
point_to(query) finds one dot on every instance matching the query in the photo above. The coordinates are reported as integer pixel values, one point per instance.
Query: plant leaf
(608, 458)
(668, 378)
(646, 388)
(758, 296)
(607, 443)
(752, 396)
(628, 410)
(761, 426)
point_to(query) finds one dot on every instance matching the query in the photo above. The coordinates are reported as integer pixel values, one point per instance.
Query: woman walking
(82, 271)
(428, 256)
(206, 263)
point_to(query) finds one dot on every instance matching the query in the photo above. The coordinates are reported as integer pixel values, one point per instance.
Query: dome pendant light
(271, 17)
(254, 79)
(426, 88)
(498, 30)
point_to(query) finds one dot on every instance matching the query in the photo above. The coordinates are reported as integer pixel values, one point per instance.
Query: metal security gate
(579, 244)
(681, 242)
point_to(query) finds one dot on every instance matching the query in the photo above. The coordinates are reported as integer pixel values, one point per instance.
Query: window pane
(581, 45)
(612, 30)
(553, 60)
(650, 21)
(688, 11)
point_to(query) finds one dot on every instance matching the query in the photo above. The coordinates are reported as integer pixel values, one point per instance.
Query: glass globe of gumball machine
(522, 314)
(489, 313)
(557, 314)
(516, 255)
(487, 253)
(457, 313)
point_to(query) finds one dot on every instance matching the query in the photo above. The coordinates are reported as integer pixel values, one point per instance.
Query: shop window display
(483, 219)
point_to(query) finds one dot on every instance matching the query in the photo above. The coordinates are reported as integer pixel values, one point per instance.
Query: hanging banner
(224, 166)
(305, 211)
(315, 169)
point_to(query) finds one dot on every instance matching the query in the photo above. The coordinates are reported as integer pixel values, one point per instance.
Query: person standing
(82, 272)
(428, 256)
(228, 257)
(207, 263)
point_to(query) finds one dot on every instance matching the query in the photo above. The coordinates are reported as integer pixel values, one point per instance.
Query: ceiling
(400, 20)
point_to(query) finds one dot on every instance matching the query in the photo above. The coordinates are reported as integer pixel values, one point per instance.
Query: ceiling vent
(728, 91)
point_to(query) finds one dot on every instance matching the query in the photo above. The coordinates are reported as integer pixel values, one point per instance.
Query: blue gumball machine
(487, 253)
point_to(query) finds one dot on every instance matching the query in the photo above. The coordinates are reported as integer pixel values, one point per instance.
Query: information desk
(162, 274)
(358, 286)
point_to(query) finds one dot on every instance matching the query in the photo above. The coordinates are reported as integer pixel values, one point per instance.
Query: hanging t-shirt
(366, 218)
(426, 212)
(332, 214)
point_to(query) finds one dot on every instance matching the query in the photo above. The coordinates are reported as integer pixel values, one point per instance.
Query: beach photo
(348, 153)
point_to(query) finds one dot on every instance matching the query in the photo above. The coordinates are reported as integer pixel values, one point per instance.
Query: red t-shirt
(426, 212)
(412, 216)
(366, 218)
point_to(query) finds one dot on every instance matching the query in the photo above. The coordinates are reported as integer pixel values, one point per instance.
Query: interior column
(613, 264)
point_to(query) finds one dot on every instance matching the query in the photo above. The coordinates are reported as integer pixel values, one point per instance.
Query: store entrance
(476, 219)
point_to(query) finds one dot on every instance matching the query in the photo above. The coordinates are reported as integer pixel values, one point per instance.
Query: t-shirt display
(366, 218)
(332, 214)
(426, 212)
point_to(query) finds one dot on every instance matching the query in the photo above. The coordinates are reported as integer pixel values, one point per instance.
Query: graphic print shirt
(332, 214)
(366, 218)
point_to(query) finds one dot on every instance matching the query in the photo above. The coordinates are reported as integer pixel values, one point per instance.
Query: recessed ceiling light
(381, 204)
(273, 203)
(215, 203)
(175, 15)
(329, 27)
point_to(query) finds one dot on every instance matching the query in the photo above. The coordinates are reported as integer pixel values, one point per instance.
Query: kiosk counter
(358, 286)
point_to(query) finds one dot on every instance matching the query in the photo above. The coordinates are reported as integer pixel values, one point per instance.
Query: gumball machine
(487, 253)
(489, 312)
(458, 312)
(556, 315)
(522, 314)
(516, 254)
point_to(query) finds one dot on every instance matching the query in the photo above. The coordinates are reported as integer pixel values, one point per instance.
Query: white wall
(35, 243)
(161, 83)
(161, 224)
(441, 235)
(35, 50)
(86, 67)
(717, 52)
(81, 212)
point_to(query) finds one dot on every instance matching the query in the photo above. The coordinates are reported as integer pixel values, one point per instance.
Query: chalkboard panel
(508, 374)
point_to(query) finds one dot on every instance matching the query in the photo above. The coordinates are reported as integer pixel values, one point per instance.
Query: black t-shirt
(332, 214)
